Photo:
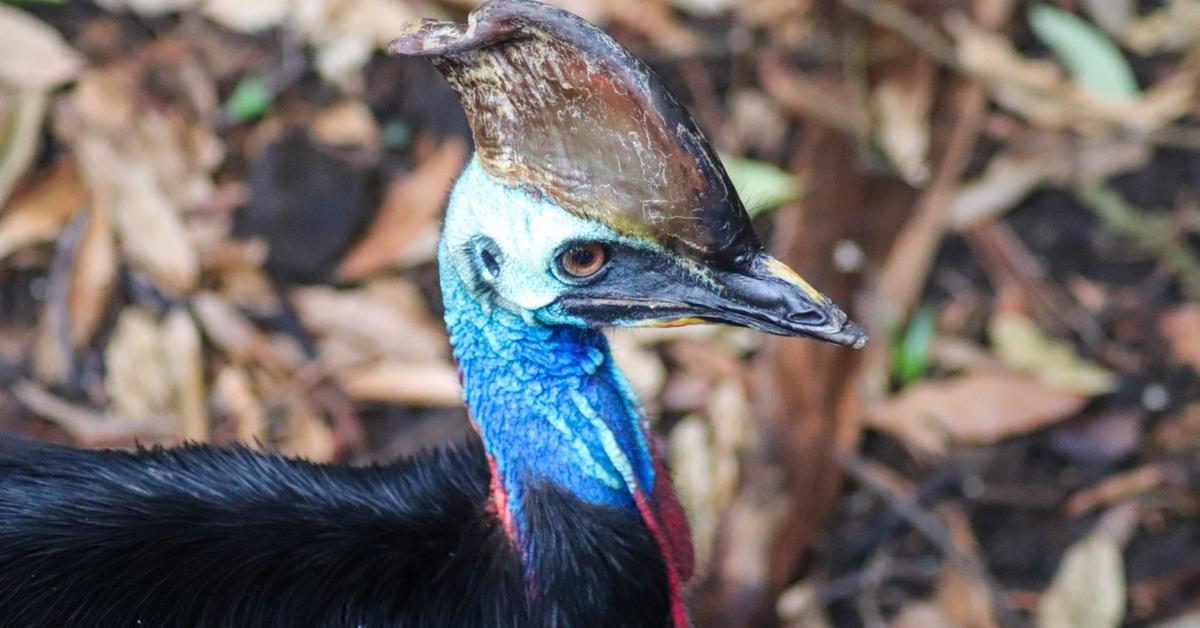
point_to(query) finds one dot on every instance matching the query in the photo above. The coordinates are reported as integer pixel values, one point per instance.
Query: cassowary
(592, 201)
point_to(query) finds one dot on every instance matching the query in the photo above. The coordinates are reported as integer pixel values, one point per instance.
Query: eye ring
(583, 261)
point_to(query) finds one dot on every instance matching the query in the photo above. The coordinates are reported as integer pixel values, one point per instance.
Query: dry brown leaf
(348, 123)
(692, 468)
(1181, 327)
(429, 383)
(247, 17)
(923, 615)
(902, 101)
(1113, 16)
(1173, 27)
(21, 117)
(225, 326)
(347, 32)
(705, 7)
(89, 427)
(751, 518)
(233, 394)
(756, 122)
(136, 378)
(685, 391)
(385, 319)
(38, 214)
(1020, 344)
(149, 8)
(729, 414)
(410, 208)
(1088, 590)
(228, 328)
(655, 20)
(247, 286)
(152, 234)
(33, 56)
(149, 163)
(93, 273)
(976, 408)
(308, 436)
(1008, 179)
(819, 98)
(642, 367)
(1035, 161)
(954, 353)
(100, 103)
(798, 606)
(1190, 620)
(705, 459)
(184, 361)
(1039, 92)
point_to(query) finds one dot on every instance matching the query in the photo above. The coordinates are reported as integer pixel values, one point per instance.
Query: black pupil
(584, 257)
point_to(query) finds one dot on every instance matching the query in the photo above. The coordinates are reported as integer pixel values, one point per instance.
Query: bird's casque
(556, 105)
(559, 108)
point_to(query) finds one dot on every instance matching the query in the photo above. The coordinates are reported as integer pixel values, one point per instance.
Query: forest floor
(218, 221)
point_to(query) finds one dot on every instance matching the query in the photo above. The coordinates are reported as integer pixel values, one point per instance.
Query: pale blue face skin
(527, 232)
(541, 387)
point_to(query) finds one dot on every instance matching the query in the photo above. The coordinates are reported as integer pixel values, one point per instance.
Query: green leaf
(761, 185)
(910, 350)
(1093, 60)
(250, 100)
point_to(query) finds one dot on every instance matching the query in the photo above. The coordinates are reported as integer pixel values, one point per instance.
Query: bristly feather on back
(204, 537)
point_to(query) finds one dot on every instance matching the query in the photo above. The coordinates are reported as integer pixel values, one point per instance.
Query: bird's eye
(582, 261)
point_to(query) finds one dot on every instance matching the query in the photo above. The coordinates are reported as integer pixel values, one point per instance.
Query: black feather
(204, 537)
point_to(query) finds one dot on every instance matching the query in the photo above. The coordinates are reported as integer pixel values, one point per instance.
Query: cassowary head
(593, 199)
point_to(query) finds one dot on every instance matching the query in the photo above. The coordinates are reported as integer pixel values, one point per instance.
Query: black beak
(762, 293)
(771, 297)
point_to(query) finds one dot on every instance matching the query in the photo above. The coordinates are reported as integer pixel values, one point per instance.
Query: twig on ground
(895, 18)
(1006, 259)
(929, 526)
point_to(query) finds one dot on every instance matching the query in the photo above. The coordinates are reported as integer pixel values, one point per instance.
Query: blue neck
(549, 403)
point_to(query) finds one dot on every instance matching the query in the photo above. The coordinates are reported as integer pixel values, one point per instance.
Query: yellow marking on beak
(781, 270)
(676, 322)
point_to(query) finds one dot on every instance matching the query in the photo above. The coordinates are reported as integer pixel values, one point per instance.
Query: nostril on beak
(809, 317)
(828, 318)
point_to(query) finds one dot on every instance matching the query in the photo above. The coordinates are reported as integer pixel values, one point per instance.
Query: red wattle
(500, 501)
(674, 582)
(674, 520)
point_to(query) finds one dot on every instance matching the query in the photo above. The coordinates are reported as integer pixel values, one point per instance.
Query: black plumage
(205, 537)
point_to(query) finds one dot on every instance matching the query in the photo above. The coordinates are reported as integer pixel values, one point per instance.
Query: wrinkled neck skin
(550, 406)
(549, 402)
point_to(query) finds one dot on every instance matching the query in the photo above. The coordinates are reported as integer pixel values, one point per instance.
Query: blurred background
(219, 218)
